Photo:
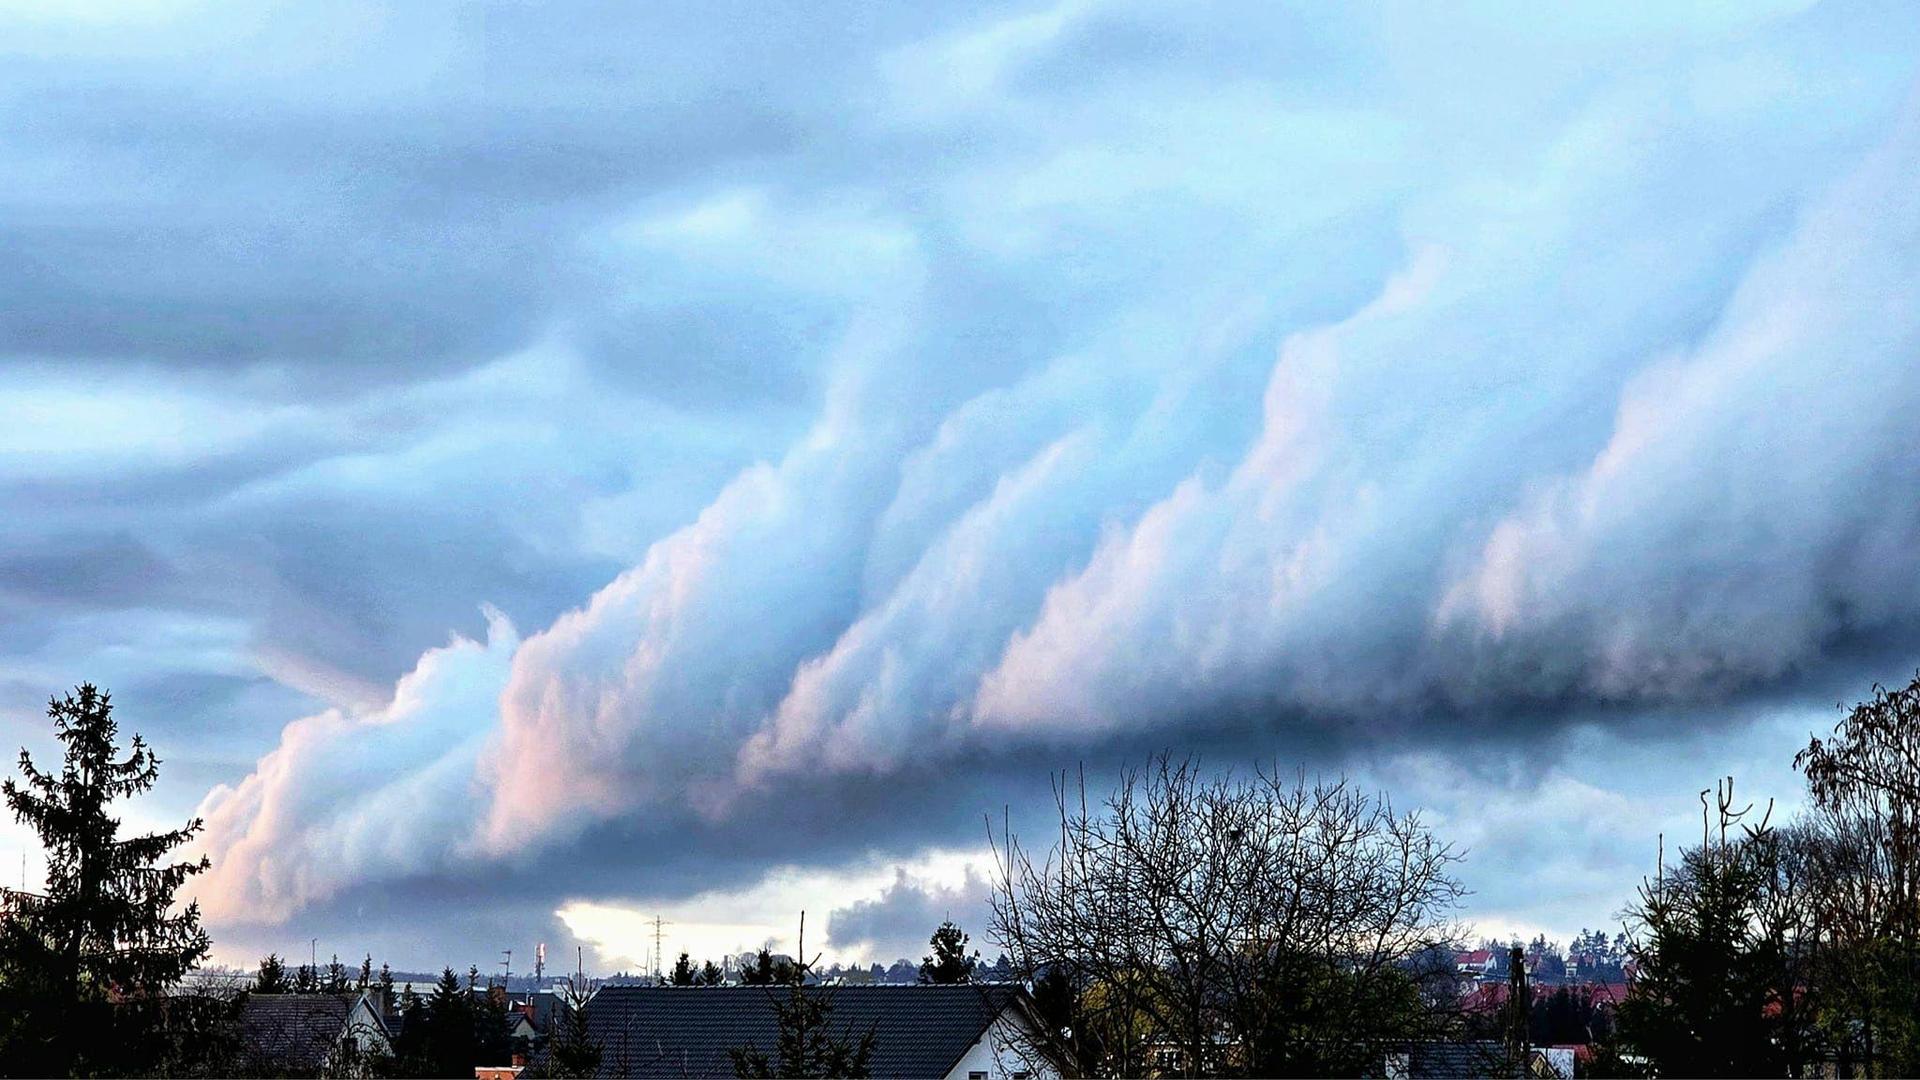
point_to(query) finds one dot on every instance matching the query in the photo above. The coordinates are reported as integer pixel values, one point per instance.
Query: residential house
(308, 1034)
(1481, 962)
(984, 1031)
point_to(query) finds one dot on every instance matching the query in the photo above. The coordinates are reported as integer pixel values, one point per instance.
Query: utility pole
(1519, 1007)
(313, 956)
(539, 964)
(508, 964)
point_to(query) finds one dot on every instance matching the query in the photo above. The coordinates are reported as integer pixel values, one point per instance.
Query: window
(976, 1076)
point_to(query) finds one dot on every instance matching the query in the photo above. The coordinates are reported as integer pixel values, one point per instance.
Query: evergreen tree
(711, 975)
(366, 973)
(574, 1052)
(683, 973)
(448, 1028)
(305, 981)
(806, 1044)
(769, 970)
(949, 962)
(107, 925)
(336, 976)
(272, 978)
(1718, 991)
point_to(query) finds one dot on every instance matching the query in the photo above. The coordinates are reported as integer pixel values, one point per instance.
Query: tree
(107, 925)
(770, 970)
(449, 1023)
(683, 973)
(711, 975)
(305, 980)
(1261, 925)
(1864, 783)
(365, 982)
(272, 978)
(1722, 988)
(949, 962)
(574, 1051)
(336, 976)
(806, 1043)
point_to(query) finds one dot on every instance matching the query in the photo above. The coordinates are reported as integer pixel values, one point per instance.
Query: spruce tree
(949, 962)
(574, 1051)
(806, 1042)
(272, 978)
(108, 914)
(106, 931)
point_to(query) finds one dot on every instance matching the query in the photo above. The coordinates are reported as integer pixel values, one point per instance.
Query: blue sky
(529, 469)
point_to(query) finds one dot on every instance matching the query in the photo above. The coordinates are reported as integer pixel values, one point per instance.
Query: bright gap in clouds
(726, 922)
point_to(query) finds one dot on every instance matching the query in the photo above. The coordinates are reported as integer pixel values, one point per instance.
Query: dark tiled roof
(1449, 1060)
(292, 1032)
(657, 1031)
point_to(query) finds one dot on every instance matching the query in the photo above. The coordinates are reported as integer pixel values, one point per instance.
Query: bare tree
(1210, 925)
(1865, 785)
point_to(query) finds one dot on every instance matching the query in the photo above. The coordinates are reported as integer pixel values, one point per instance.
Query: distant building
(982, 1031)
(1480, 962)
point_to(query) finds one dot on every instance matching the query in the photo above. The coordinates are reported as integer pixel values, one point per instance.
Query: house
(307, 1034)
(982, 1031)
(1481, 962)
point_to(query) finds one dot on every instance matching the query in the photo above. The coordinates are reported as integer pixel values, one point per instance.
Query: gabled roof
(293, 1032)
(659, 1031)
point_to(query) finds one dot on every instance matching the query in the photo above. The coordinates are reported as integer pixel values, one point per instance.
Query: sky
(533, 469)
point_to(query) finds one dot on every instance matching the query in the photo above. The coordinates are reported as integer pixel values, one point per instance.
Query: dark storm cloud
(899, 920)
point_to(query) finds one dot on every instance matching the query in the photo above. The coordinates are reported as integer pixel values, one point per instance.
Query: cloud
(857, 417)
(347, 797)
(898, 922)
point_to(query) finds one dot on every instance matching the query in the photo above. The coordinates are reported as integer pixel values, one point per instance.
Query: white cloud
(1153, 419)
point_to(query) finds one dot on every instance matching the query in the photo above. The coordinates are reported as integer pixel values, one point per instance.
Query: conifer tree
(949, 962)
(807, 1042)
(272, 978)
(107, 929)
(574, 1052)
(109, 913)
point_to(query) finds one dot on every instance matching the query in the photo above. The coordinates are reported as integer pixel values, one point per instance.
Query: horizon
(532, 473)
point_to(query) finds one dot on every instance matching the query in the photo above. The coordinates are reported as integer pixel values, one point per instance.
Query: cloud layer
(844, 419)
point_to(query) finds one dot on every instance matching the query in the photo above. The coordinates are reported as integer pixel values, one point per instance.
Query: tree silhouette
(949, 962)
(683, 972)
(106, 928)
(272, 978)
(806, 1043)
